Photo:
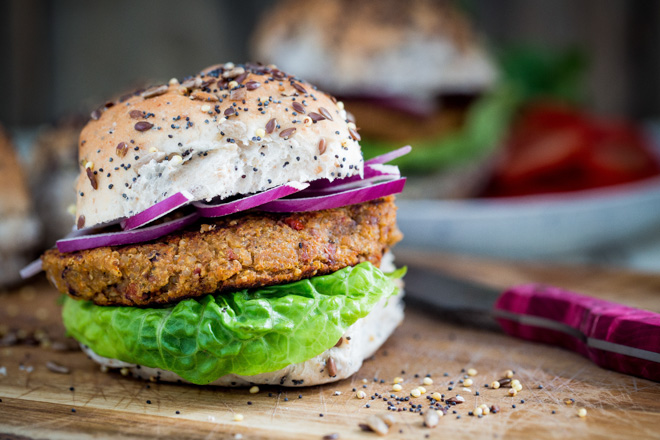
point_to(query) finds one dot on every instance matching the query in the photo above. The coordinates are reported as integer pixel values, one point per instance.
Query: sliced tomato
(556, 149)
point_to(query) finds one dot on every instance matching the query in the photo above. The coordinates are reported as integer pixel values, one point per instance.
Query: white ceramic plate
(533, 226)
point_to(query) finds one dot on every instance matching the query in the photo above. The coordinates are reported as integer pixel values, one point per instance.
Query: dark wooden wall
(60, 56)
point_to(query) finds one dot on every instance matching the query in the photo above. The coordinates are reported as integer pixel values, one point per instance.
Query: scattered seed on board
(377, 425)
(361, 394)
(582, 413)
(57, 368)
(431, 418)
(397, 387)
(415, 392)
(254, 390)
(427, 381)
(238, 417)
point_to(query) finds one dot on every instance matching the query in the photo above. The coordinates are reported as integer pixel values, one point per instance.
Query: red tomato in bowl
(557, 149)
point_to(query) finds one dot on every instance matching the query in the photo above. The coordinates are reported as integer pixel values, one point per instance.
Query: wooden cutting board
(39, 403)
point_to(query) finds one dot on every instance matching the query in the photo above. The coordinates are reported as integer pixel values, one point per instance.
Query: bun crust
(378, 47)
(210, 135)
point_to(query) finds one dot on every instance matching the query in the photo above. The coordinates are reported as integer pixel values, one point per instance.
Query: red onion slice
(36, 266)
(31, 269)
(389, 156)
(157, 211)
(337, 199)
(249, 202)
(124, 237)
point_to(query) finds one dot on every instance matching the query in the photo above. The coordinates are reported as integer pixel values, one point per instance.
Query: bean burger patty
(235, 252)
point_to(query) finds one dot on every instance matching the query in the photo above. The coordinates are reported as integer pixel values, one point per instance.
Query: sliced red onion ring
(31, 269)
(124, 237)
(389, 156)
(338, 187)
(249, 202)
(36, 266)
(337, 199)
(157, 211)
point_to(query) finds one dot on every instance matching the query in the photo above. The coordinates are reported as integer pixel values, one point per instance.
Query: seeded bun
(210, 135)
(381, 47)
(19, 229)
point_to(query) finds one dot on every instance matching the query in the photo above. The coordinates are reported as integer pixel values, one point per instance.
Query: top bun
(377, 47)
(232, 129)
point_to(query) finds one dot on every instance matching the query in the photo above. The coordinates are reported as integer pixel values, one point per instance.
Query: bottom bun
(360, 341)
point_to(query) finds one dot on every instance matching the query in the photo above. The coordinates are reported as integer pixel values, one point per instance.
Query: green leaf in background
(244, 332)
(538, 73)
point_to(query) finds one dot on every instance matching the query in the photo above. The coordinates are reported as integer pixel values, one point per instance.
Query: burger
(229, 232)
(19, 228)
(410, 72)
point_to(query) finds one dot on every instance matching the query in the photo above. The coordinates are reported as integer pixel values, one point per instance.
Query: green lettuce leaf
(244, 332)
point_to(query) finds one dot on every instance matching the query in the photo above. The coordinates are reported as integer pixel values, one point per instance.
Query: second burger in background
(409, 72)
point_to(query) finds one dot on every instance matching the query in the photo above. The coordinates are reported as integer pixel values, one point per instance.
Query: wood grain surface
(39, 403)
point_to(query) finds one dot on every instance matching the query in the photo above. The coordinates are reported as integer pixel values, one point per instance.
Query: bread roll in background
(390, 47)
(410, 73)
(19, 227)
(54, 164)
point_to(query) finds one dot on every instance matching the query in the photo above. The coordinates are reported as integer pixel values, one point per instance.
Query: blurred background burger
(409, 72)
